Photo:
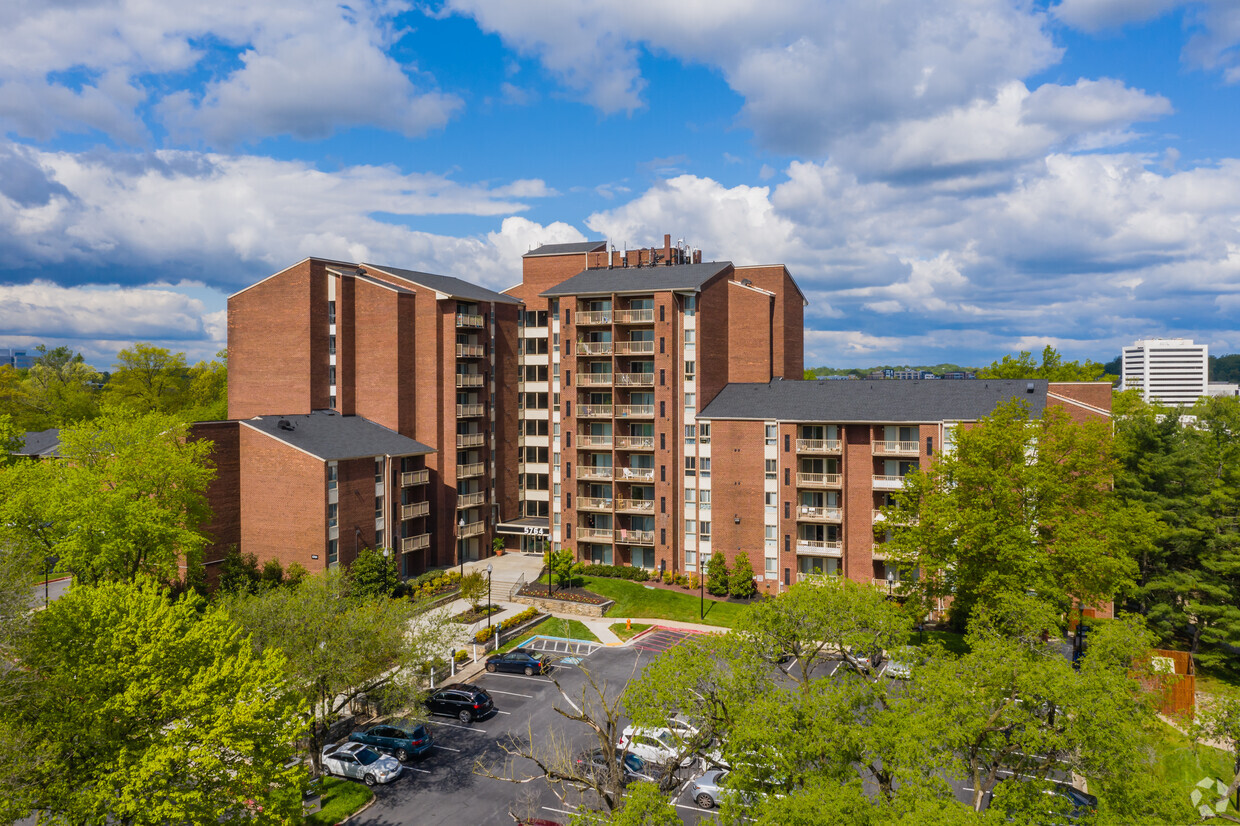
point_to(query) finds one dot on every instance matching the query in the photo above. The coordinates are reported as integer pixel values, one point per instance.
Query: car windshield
(366, 756)
(633, 763)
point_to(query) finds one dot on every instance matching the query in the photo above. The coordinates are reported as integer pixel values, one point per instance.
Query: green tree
(126, 499)
(151, 711)
(563, 565)
(373, 573)
(1220, 722)
(60, 388)
(717, 575)
(1021, 503)
(1052, 368)
(238, 572)
(473, 589)
(208, 390)
(645, 804)
(11, 438)
(740, 580)
(338, 646)
(149, 378)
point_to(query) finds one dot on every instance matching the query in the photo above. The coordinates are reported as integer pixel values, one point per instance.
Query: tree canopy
(1052, 368)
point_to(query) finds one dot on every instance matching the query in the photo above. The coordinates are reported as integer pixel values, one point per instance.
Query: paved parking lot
(660, 639)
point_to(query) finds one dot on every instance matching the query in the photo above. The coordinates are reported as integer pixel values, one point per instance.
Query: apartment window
(662, 344)
(704, 532)
(555, 342)
(662, 473)
(331, 345)
(556, 456)
(555, 490)
(771, 498)
(704, 499)
(555, 308)
(662, 504)
(771, 562)
(690, 401)
(332, 473)
(787, 510)
(787, 476)
(333, 551)
(662, 307)
(569, 500)
(690, 496)
(690, 434)
(772, 470)
(662, 410)
(555, 430)
(787, 443)
(568, 530)
(690, 558)
(662, 441)
(771, 435)
(568, 316)
(331, 312)
(772, 533)
(555, 401)
(378, 470)
(568, 378)
(690, 370)
(691, 305)
(662, 536)
(787, 543)
(568, 411)
(332, 515)
(331, 401)
(690, 337)
(378, 507)
(690, 466)
(705, 468)
(378, 538)
(690, 527)
(662, 377)
(704, 434)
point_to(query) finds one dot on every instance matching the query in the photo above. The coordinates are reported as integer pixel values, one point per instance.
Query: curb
(373, 800)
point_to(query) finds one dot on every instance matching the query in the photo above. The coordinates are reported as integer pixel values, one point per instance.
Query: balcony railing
(888, 482)
(469, 379)
(590, 440)
(595, 533)
(415, 543)
(413, 511)
(470, 351)
(588, 472)
(471, 500)
(634, 316)
(635, 411)
(467, 411)
(810, 513)
(593, 348)
(472, 529)
(635, 537)
(469, 320)
(470, 470)
(470, 439)
(634, 379)
(593, 503)
(593, 317)
(818, 480)
(884, 448)
(635, 505)
(414, 477)
(635, 473)
(594, 411)
(634, 348)
(635, 442)
(594, 379)
(820, 547)
(818, 445)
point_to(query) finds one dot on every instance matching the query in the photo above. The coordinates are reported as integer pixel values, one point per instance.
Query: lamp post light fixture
(489, 569)
(460, 554)
(701, 589)
(386, 551)
(891, 580)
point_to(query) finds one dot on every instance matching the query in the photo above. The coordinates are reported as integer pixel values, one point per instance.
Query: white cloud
(1094, 15)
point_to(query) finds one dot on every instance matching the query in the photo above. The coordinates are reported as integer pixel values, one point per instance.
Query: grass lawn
(628, 633)
(341, 798)
(950, 640)
(554, 627)
(1220, 681)
(635, 600)
(1180, 766)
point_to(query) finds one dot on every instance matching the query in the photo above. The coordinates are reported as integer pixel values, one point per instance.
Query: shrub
(717, 575)
(740, 581)
(484, 634)
(683, 581)
(694, 582)
(617, 572)
(473, 588)
(668, 577)
(461, 656)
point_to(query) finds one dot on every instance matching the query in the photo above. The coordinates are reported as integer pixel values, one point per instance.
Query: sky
(947, 181)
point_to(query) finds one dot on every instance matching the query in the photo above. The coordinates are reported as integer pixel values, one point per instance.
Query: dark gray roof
(872, 401)
(567, 249)
(448, 285)
(333, 437)
(639, 279)
(40, 443)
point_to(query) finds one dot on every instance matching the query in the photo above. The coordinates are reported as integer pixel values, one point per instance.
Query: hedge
(485, 634)
(431, 583)
(617, 572)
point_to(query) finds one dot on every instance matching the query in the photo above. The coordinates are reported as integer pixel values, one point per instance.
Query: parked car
(461, 700)
(1081, 806)
(594, 763)
(401, 738)
(653, 745)
(898, 670)
(707, 788)
(520, 661)
(360, 762)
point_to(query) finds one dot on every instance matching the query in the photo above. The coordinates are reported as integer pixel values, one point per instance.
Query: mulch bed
(466, 617)
(539, 591)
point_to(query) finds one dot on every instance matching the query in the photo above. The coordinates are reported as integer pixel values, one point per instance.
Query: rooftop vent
(1029, 387)
(285, 424)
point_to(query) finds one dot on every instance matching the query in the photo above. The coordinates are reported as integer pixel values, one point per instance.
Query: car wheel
(491, 667)
(529, 672)
(704, 800)
(465, 717)
(369, 780)
(327, 772)
(402, 755)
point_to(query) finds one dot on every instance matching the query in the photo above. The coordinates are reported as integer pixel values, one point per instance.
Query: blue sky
(947, 181)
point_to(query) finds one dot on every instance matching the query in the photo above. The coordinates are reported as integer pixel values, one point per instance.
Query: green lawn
(1218, 680)
(633, 599)
(554, 627)
(628, 633)
(1180, 766)
(950, 640)
(341, 798)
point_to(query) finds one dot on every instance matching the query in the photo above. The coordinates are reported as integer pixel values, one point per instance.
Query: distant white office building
(1221, 389)
(1171, 371)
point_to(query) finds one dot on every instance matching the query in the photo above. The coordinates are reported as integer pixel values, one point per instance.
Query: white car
(360, 762)
(653, 745)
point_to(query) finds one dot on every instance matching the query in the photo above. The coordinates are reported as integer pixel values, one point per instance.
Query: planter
(552, 605)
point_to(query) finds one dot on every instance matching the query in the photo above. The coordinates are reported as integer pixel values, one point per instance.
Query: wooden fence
(1179, 685)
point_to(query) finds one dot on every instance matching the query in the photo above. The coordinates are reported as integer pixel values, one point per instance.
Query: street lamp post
(460, 555)
(489, 569)
(386, 551)
(701, 592)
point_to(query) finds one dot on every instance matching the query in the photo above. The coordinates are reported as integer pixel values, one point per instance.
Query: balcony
(413, 511)
(415, 543)
(470, 470)
(595, 534)
(818, 480)
(594, 379)
(635, 411)
(469, 320)
(589, 472)
(594, 411)
(470, 351)
(468, 411)
(593, 348)
(585, 440)
(896, 448)
(634, 316)
(809, 513)
(414, 477)
(635, 505)
(588, 317)
(878, 516)
(470, 439)
(593, 503)
(470, 379)
(635, 442)
(635, 474)
(472, 529)
(634, 348)
(888, 482)
(635, 537)
(818, 445)
(471, 500)
(634, 379)
(819, 547)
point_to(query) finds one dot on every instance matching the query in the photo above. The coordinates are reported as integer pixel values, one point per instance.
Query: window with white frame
(705, 468)
(772, 499)
(690, 434)
(378, 507)
(690, 337)
(704, 496)
(690, 401)
(772, 469)
(772, 533)
(772, 434)
(690, 495)
(771, 563)
(690, 370)
(704, 531)
(690, 466)
(332, 475)
(704, 434)
(332, 515)
(333, 554)
(378, 470)
(690, 305)
(690, 527)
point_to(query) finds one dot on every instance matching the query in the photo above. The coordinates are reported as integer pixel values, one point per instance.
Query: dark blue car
(520, 661)
(400, 738)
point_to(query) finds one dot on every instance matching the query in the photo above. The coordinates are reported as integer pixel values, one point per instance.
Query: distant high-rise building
(1170, 371)
(19, 359)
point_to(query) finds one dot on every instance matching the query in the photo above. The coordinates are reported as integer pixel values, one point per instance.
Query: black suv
(400, 738)
(461, 700)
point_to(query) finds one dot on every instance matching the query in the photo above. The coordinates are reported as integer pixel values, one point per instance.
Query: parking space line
(834, 668)
(510, 693)
(446, 748)
(421, 771)
(464, 728)
(517, 677)
(788, 670)
(497, 711)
